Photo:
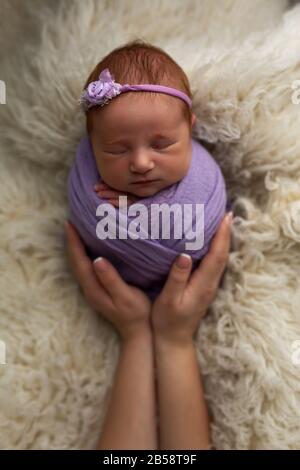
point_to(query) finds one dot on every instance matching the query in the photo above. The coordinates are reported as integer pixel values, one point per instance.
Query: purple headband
(100, 92)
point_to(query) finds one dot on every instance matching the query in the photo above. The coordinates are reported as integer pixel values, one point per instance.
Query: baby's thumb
(178, 276)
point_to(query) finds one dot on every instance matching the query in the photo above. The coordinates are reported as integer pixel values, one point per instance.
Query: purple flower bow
(100, 92)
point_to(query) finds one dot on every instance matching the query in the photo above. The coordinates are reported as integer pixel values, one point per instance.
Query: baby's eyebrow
(125, 141)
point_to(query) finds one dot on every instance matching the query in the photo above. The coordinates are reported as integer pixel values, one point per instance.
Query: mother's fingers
(111, 280)
(78, 258)
(178, 277)
(98, 277)
(213, 264)
(82, 268)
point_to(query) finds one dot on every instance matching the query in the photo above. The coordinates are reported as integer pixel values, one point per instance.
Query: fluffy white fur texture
(241, 57)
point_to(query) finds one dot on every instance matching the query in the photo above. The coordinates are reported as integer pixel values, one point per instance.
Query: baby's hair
(139, 62)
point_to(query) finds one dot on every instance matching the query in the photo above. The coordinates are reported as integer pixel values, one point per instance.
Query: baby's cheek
(115, 176)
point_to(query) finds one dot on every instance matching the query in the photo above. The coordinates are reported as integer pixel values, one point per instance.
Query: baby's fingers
(101, 185)
(108, 193)
(118, 203)
(114, 202)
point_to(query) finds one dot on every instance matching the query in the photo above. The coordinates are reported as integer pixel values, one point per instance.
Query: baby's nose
(141, 162)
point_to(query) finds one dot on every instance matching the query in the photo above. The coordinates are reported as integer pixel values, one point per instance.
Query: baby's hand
(106, 192)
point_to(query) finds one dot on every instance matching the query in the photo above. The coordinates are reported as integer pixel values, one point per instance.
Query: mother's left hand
(126, 307)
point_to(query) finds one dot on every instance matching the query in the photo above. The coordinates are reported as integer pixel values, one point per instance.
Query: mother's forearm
(183, 415)
(130, 422)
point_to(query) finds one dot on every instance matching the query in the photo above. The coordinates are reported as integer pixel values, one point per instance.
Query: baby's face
(137, 139)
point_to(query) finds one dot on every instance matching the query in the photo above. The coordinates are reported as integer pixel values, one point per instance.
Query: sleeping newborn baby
(141, 189)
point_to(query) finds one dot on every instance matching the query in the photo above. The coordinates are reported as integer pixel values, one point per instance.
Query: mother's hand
(182, 303)
(125, 306)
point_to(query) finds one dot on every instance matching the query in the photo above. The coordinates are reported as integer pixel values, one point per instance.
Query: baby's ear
(194, 117)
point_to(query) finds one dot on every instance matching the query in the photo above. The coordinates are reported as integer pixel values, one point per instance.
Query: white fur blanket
(242, 57)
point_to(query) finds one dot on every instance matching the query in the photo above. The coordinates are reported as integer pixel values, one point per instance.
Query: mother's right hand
(125, 306)
(182, 303)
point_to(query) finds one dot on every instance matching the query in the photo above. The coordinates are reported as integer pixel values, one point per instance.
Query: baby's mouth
(144, 182)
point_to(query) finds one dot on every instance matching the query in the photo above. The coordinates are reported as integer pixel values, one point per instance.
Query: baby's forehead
(139, 114)
(152, 101)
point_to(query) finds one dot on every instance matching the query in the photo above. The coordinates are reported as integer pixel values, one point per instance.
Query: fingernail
(100, 263)
(229, 217)
(183, 261)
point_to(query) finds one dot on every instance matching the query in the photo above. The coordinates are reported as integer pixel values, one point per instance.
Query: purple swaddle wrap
(146, 262)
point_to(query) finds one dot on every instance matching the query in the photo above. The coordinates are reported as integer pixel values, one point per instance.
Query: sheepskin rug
(242, 58)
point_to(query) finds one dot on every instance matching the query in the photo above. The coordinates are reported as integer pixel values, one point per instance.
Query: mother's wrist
(136, 333)
(164, 341)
